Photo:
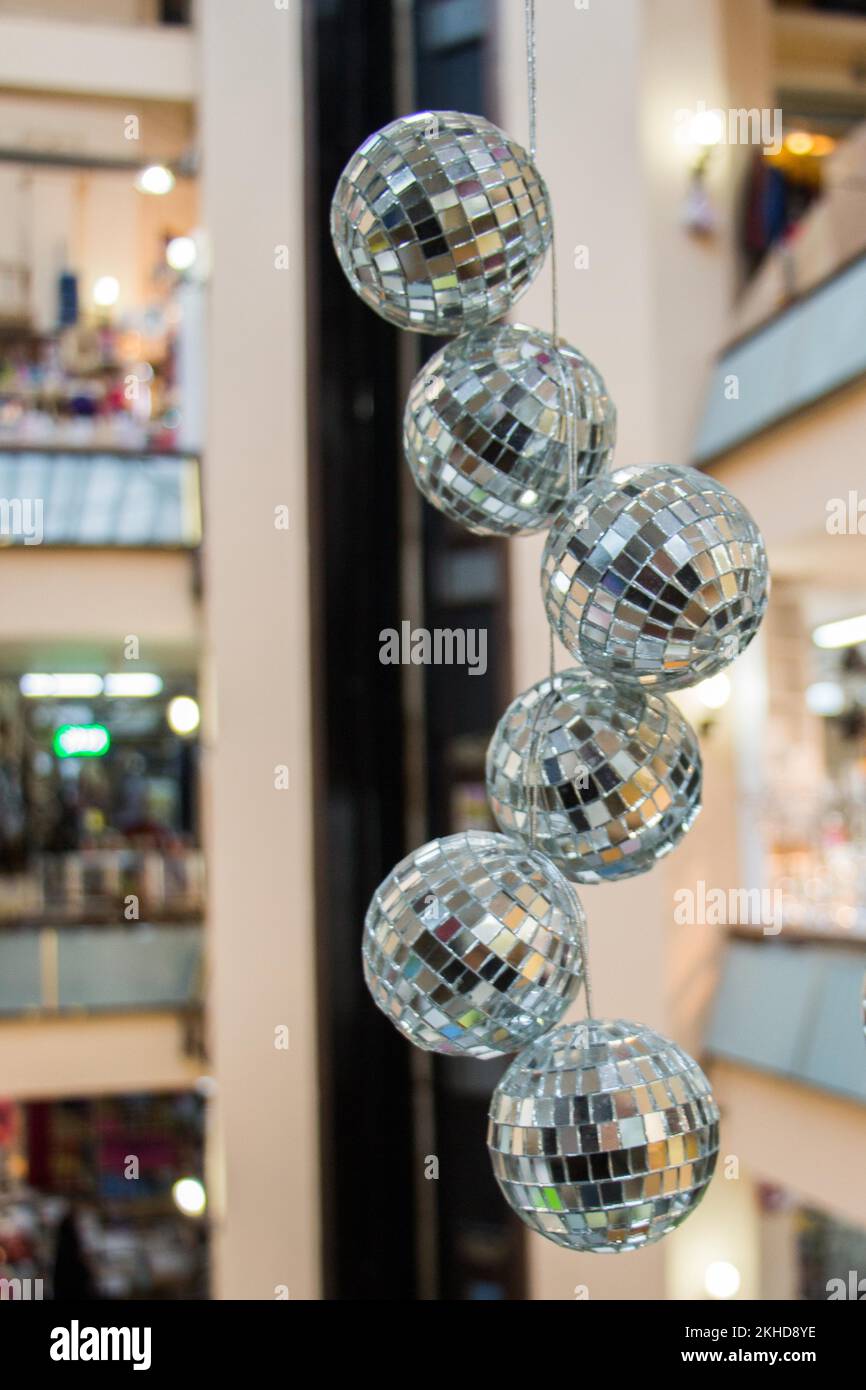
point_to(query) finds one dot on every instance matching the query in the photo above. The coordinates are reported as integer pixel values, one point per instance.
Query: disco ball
(615, 774)
(472, 945)
(488, 425)
(655, 576)
(440, 222)
(603, 1136)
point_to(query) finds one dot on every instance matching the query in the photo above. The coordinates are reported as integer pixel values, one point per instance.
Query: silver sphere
(472, 945)
(615, 775)
(655, 576)
(440, 222)
(487, 428)
(603, 1135)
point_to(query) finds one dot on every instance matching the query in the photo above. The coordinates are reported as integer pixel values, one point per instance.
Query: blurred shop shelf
(116, 969)
(813, 347)
(793, 1009)
(99, 498)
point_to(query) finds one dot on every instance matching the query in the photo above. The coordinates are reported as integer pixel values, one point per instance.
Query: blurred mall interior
(206, 523)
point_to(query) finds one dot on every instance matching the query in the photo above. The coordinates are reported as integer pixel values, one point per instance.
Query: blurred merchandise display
(90, 1211)
(106, 386)
(107, 838)
(99, 883)
(832, 1257)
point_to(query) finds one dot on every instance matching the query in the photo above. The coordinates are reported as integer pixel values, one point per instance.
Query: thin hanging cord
(531, 78)
(533, 766)
(587, 981)
(569, 400)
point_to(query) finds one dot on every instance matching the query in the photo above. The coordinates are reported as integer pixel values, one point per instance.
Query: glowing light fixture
(823, 145)
(800, 142)
(183, 714)
(706, 128)
(156, 180)
(181, 253)
(715, 692)
(722, 1279)
(60, 686)
(848, 632)
(106, 291)
(189, 1196)
(133, 683)
(825, 698)
(81, 741)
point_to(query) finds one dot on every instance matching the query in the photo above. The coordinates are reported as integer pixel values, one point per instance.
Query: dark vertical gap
(366, 1116)
(466, 587)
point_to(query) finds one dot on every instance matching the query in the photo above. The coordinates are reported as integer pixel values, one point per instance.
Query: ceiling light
(41, 684)
(847, 632)
(706, 128)
(826, 698)
(155, 179)
(183, 714)
(181, 253)
(106, 291)
(722, 1279)
(715, 692)
(133, 683)
(799, 142)
(189, 1196)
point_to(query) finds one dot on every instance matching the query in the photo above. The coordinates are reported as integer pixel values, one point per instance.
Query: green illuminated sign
(82, 741)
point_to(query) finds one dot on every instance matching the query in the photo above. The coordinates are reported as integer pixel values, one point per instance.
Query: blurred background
(205, 524)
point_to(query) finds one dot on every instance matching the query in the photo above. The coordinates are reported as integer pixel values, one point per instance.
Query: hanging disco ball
(440, 222)
(603, 1135)
(472, 945)
(655, 576)
(615, 775)
(489, 422)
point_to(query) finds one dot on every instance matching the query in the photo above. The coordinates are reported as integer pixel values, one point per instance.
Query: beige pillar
(264, 1147)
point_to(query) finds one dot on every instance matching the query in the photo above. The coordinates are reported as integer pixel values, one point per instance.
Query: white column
(264, 1147)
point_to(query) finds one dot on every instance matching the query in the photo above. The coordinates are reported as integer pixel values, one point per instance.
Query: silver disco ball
(655, 576)
(603, 1135)
(440, 222)
(487, 428)
(614, 775)
(472, 945)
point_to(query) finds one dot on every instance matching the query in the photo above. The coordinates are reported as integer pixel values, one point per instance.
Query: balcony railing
(812, 348)
(54, 970)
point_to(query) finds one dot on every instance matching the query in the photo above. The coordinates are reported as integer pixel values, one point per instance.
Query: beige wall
(113, 1055)
(264, 1150)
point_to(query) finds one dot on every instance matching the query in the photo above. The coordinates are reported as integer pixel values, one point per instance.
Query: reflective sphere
(487, 428)
(472, 945)
(603, 1136)
(655, 576)
(440, 222)
(617, 773)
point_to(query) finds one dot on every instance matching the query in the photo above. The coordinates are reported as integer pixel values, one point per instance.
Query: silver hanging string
(531, 75)
(533, 764)
(587, 981)
(569, 401)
